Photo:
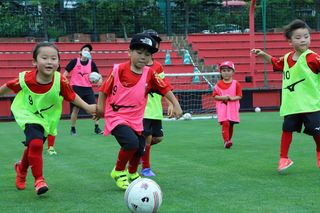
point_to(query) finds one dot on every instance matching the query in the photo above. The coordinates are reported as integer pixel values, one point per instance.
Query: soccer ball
(143, 196)
(257, 109)
(94, 77)
(187, 116)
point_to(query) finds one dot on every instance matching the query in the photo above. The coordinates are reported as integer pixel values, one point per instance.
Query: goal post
(194, 92)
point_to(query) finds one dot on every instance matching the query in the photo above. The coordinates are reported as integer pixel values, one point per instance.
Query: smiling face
(47, 61)
(300, 40)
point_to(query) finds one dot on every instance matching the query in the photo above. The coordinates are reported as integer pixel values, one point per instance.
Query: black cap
(144, 40)
(87, 45)
(153, 34)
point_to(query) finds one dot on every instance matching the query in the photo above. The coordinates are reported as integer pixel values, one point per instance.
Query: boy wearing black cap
(80, 68)
(153, 114)
(122, 100)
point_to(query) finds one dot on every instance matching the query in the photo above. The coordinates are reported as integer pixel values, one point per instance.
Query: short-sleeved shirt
(313, 61)
(129, 79)
(73, 63)
(221, 84)
(30, 78)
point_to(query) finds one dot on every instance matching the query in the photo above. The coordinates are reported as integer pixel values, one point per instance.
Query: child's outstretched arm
(177, 111)
(89, 108)
(101, 105)
(4, 89)
(263, 54)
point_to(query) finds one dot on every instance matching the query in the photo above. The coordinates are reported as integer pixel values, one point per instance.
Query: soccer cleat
(40, 186)
(147, 172)
(121, 178)
(133, 176)
(228, 144)
(52, 151)
(98, 131)
(284, 164)
(20, 177)
(318, 159)
(73, 131)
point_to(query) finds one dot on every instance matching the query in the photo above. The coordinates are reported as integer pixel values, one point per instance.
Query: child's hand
(170, 111)
(257, 52)
(92, 109)
(177, 111)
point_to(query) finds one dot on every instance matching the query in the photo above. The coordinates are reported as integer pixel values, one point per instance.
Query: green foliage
(13, 25)
(49, 19)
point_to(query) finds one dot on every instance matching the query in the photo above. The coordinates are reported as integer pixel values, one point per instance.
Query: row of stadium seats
(13, 61)
(215, 48)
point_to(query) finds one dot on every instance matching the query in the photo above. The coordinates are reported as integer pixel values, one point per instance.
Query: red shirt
(224, 86)
(313, 61)
(31, 81)
(129, 79)
(156, 66)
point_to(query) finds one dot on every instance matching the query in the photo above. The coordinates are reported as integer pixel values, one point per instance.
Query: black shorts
(128, 139)
(152, 127)
(311, 122)
(33, 131)
(85, 93)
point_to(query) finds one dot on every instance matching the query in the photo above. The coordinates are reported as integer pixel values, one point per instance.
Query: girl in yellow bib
(37, 109)
(300, 104)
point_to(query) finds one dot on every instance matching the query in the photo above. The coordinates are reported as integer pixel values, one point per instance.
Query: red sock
(51, 140)
(225, 130)
(286, 139)
(24, 161)
(35, 157)
(146, 158)
(134, 163)
(317, 141)
(230, 131)
(123, 158)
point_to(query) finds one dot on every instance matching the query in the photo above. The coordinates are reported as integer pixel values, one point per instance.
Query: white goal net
(194, 92)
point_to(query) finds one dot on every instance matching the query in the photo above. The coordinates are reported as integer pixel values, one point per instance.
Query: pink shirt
(126, 105)
(227, 111)
(80, 74)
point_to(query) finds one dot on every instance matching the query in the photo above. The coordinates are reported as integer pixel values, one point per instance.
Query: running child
(37, 109)
(122, 100)
(153, 114)
(300, 103)
(227, 93)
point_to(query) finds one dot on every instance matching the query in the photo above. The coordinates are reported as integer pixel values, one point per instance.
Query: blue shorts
(310, 120)
(152, 127)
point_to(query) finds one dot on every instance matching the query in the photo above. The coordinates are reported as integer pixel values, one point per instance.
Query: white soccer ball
(94, 77)
(143, 196)
(187, 116)
(257, 109)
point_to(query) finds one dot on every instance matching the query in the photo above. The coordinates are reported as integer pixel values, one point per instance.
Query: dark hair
(294, 25)
(43, 44)
(86, 45)
(153, 34)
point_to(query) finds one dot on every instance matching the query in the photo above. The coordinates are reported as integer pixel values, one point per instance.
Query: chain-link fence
(106, 19)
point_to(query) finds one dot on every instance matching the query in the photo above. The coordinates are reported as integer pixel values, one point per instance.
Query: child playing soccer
(122, 100)
(300, 103)
(37, 109)
(153, 114)
(227, 93)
